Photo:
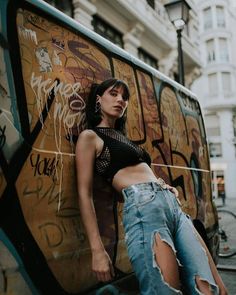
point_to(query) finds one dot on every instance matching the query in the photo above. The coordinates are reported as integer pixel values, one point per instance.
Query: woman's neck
(107, 124)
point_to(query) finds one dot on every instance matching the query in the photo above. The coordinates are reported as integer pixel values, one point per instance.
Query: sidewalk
(228, 276)
(230, 204)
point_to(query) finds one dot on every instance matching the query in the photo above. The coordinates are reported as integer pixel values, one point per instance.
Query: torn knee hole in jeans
(203, 286)
(164, 250)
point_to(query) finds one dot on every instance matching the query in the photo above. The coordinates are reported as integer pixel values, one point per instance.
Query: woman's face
(113, 104)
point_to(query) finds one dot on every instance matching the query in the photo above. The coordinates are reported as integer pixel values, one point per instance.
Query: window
(218, 183)
(151, 3)
(223, 50)
(210, 51)
(220, 17)
(215, 150)
(107, 31)
(226, 83)
(212, 125)
(213, 131)
(147, 58)
(213, 85)
(207, 15)
(64, 6)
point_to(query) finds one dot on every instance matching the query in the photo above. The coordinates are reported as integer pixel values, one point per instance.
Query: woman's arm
(85, 156)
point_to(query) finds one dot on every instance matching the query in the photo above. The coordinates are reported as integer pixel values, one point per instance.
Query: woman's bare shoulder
(87, 136)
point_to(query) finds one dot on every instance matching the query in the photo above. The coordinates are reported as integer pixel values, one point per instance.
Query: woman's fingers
(173, 190)
(102, 266)
(104, 276)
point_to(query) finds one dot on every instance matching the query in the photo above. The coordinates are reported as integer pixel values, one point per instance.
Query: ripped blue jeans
(149, 210)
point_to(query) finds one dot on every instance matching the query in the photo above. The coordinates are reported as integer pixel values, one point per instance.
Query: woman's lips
(118, 108)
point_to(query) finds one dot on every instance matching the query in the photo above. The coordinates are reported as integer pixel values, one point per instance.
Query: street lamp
(178, 12)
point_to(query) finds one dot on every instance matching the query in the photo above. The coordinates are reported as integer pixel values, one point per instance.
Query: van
(48, 63)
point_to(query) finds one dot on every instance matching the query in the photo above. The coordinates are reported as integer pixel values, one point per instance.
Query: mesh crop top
(118, 152)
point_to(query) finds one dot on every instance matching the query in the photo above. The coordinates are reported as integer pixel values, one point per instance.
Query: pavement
(230, 204)
(228, 276)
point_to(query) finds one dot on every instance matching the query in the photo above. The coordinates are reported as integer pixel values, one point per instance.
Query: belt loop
(124, 194)
(153, 186)
(161, 183)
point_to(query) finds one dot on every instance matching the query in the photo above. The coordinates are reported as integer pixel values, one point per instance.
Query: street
(228, 276)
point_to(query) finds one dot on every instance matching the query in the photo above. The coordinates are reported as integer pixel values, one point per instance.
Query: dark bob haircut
(93, 117)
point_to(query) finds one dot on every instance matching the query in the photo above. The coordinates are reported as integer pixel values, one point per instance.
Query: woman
(160, 238)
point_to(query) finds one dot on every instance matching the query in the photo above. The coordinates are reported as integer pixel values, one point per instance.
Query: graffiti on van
(42, 113)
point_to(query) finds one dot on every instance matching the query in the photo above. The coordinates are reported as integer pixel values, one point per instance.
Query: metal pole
(180, 58)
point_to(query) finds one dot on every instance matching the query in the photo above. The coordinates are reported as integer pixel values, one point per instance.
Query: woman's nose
(120, 98)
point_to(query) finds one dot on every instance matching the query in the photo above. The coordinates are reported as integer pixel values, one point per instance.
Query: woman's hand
(175, 192)
(102, 266)
(172, 189)
(164, 185)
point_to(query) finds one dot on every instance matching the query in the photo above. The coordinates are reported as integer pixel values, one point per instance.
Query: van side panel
(47, 68)
(56, 69)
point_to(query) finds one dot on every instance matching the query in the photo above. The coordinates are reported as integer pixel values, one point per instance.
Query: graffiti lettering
(77, 104)
(60, 44)
(28, 34)
(3, 91)
(53, 234)
(42, 192)
(67, 92)
(56, 59)
(33, 19)
(73, 226)
(72, 103)
(64, 113)
(2, 136)
(43, 59)
(36, 191)
(45, 87)
(56, 233)
(75, 46)
(44, 166)
(76, 225)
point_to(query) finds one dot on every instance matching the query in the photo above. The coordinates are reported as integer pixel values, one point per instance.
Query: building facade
(216, 89)
(142, 28)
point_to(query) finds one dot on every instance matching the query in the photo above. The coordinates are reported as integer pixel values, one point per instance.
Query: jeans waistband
(137, 189)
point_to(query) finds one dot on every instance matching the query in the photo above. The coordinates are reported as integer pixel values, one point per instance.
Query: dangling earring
(97, 107)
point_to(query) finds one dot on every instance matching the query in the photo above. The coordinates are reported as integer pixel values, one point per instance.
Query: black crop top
(118, 152)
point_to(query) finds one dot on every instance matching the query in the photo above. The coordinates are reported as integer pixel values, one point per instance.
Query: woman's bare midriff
(132, 175)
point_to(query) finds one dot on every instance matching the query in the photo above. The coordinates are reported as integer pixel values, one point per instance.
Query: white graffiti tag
(28, 34)
(68, 103)
(43, 59)
(56, 59)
